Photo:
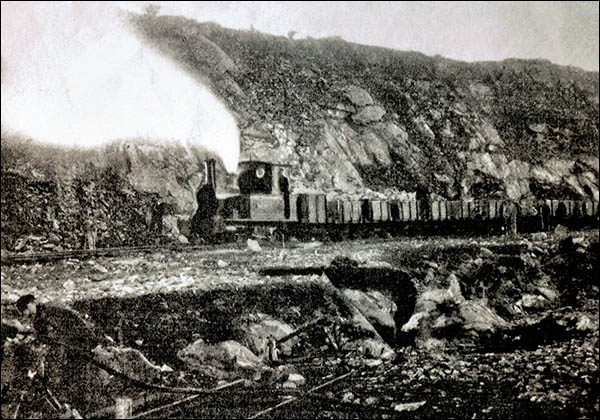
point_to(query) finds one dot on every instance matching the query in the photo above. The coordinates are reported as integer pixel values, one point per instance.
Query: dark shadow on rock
(345, 273)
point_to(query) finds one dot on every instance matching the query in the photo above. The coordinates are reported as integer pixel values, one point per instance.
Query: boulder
(477, 316)
(384, 296)
(128, 361)
(430, 311)
(364, 337)
(226, 355)
(254, 331)
(529, 301)
(446, 313)
(369, 114)
(377, 308)
(358, 96)
(371, 348)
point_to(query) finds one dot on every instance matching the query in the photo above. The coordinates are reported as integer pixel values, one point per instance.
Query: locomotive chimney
(211, 178)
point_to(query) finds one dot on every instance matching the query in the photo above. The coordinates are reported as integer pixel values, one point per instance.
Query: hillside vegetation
(53, 196)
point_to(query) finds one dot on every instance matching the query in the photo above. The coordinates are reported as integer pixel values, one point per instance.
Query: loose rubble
(185, 320)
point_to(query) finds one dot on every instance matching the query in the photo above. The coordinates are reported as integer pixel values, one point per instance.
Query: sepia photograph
(300, 210)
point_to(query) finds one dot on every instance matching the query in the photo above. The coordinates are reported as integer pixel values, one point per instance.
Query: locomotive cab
(264, 193)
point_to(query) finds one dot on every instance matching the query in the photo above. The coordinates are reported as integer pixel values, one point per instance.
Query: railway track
(36, 257)
(237, 400)
(42, 257)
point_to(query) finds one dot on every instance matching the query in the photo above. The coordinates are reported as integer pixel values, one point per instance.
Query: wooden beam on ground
(184, 400)
(288, 401)
(291, 271)
(300, 329)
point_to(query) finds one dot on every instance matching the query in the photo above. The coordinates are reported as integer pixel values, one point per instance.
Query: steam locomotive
(265, 200)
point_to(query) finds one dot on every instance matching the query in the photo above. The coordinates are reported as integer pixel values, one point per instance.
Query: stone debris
(409, 406)
(253, 245)
(532, 302)
(289, 385)
(311, 245)
(486, 253)
(372, 348)
(586, 324)
(561, 230)
(166, 368)
(297, 378)
(99, 268)
(69, 285)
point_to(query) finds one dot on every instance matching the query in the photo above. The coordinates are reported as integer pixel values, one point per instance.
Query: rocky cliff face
(128, 193)
(369, 121)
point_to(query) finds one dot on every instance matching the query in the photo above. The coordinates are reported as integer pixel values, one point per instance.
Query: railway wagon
(265, 199)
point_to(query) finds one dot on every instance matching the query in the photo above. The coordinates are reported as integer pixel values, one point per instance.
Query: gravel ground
(553, 380)
(70, 280)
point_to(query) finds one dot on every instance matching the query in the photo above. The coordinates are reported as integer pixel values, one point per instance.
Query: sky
(74, 74)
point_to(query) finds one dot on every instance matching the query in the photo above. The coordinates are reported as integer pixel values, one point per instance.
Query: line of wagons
(265, 198)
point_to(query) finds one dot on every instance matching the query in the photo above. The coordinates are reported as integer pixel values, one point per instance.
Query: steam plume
(74, 74)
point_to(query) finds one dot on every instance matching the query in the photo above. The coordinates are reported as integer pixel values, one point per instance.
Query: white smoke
(73, 74)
